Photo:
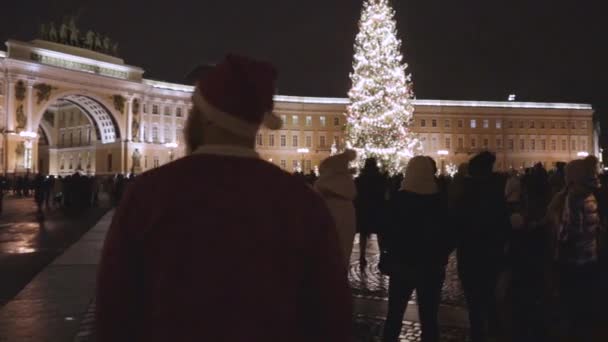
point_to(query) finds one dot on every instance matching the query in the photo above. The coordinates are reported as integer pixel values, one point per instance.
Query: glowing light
(171, 145)
(443, 152)
(26, 134)
(451, 169)
(169, 86)
(303, 150)
(583, 154)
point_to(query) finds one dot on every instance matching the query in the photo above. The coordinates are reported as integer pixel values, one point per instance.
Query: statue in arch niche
(21, 119)
(136, 158)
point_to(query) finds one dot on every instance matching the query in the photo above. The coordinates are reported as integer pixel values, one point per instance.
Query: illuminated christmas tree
(380, 110)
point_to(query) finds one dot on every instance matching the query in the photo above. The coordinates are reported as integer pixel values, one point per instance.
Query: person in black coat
(417, 244)
(484, 220)
(369, 205)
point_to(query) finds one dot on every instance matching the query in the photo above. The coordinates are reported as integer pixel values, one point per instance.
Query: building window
(271, 140)
(473, 143)
(283, 164)
(308, 141)
(573, 145)
(259, 139)
(155, 134)
(572, 125)
(294, 141)
(323, 121)
(553, 145)
(460, 123)
(89, 135)
(564, 145)
(434, 123)
(531, 124)
(521, 124)
(294, 120)
(154, 109)
(283, 140)
(284, 119)
(511, 145)
(563, 125)
(522, 144)
(499, 143)
(498, 123)
(543, 145)
(584, 124)
(295, 164)
(486, 123)
(336, 121)
(167, 134)
(336, 140)
(553, 124)
(448, 143)
(583, 145)
(542, 124)
(473, 123)
(308, 165)
(533, 144)
(178, 112)
(460, 143)
(322, 141)
(309, 121)
(156, 161)
(71, 139)
(422, 123)
(145, 162)
(145, 108)
(486, 143)
(62, 139)
(447, 123)
(434, 143)
(167, 110)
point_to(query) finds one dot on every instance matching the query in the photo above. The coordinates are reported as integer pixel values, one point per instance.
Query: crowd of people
(528, 244)
(244, 251)
(75, 192)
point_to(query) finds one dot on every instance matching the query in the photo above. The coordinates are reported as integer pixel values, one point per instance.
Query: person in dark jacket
(481, 250)
(418, 247)
(369, 205)
(39, 192)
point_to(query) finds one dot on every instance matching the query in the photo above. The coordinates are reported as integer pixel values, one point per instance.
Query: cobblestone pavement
(371, 284)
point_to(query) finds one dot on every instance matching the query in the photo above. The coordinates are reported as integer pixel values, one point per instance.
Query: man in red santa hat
(221, 245)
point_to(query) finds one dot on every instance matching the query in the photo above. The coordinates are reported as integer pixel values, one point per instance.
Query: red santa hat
(237, 95)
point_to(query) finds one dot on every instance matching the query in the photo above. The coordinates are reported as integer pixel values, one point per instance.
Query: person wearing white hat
(337, 187)
(222, 245)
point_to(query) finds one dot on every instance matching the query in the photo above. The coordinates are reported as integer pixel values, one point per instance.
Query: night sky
(541, 50)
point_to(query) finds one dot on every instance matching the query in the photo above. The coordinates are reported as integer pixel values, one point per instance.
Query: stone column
(10, 108)
(30, 105)
(161, 126)
(174, 125)
(129, 118)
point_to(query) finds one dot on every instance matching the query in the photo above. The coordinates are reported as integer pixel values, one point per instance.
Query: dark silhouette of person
(481, 249)
(369, 205)
(39, 192)
(417, 248)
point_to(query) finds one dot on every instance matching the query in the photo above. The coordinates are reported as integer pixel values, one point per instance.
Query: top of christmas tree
(381, 109)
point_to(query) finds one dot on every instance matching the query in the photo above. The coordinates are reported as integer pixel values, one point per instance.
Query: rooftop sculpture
(68, 33)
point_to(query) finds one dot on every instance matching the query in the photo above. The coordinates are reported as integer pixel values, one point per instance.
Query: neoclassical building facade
(65, 109)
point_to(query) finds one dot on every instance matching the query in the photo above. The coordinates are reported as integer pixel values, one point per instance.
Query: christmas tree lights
(380, 110)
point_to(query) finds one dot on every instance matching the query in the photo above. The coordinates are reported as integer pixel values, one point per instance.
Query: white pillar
(161, 134)
(129, 118)
(30, 105)
(150, 117)
(173, 125)
(10, 108)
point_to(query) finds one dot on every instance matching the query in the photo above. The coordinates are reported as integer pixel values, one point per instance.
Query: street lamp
(27, 154)
(583, 154)
(442, 154)
(303, 152)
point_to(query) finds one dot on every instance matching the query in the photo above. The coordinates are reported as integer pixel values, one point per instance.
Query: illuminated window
(336, 121)
(486, 123)
(284, 119)
(498, 123)
(294, 120)
(473, 123)
(323, 121)
(308, 120)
